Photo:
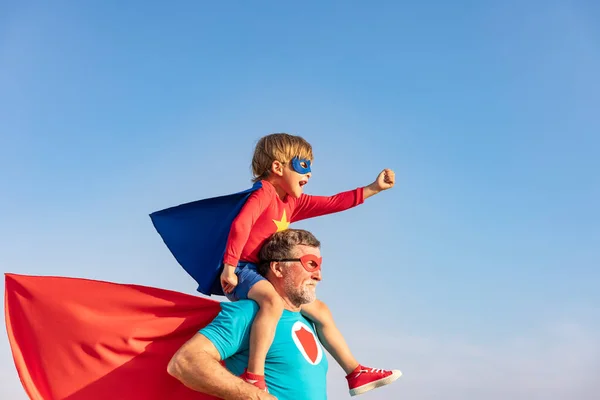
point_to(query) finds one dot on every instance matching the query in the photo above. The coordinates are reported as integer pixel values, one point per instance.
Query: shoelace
(367, 371)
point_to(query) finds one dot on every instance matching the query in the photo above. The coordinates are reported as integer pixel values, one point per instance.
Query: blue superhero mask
(297, 165)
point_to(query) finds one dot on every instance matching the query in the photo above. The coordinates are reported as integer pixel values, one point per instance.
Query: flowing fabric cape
(196, 234)
(81, 339)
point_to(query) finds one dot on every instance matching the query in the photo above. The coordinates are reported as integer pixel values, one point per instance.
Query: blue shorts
(248, 276)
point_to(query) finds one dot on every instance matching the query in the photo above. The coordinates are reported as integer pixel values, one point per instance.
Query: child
(282, 164)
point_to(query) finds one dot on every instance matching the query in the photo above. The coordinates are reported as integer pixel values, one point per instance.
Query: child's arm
(315, 206)
(385, 180)
(240, 230)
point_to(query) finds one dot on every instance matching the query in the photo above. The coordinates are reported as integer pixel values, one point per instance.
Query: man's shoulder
(240, 307)
(237, 315)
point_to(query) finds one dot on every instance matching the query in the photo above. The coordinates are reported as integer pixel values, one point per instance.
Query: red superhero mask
(310, 262)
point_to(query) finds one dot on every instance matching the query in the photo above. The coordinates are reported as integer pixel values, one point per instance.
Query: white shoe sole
(373, 385)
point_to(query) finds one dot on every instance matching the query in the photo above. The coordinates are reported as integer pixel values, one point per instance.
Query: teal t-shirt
(296, 365)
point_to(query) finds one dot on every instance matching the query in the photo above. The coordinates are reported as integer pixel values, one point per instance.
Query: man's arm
(197, 365)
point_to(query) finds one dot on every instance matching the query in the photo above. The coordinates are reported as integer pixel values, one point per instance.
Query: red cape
(80, 339)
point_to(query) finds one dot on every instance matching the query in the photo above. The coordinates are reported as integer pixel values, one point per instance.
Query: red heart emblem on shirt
(308, 342)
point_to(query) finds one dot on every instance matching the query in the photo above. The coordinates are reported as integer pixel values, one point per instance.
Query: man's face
(299, 284)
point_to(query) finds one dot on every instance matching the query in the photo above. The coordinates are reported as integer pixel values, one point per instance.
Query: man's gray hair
(281, 245)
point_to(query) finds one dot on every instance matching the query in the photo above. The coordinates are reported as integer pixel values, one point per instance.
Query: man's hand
(385, 180)
(197, 364)
(229, 279)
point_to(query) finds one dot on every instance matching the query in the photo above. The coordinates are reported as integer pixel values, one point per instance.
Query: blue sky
(477, 275)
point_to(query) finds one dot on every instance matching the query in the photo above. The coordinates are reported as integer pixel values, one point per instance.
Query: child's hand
(385, 180)
(229, 279)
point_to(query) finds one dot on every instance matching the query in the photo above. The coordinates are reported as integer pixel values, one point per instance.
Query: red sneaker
(256, 380)
(363, 379)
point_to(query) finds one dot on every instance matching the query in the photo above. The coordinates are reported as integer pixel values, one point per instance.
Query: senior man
(296, 365)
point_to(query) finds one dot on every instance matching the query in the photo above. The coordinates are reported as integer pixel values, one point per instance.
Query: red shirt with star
(264, 213)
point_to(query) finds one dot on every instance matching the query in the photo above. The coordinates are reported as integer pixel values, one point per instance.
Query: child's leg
(329, 335)
(264, 325)
(360, 379)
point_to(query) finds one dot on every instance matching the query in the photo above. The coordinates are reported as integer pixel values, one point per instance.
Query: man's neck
(287, 305)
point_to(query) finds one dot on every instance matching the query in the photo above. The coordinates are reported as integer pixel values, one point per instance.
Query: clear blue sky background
(477, 275)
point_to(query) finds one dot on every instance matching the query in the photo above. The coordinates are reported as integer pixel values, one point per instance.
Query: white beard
(298, 296)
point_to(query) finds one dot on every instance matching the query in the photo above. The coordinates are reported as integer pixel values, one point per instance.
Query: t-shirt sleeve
(308, 206)
(230, 330)
(242, 225)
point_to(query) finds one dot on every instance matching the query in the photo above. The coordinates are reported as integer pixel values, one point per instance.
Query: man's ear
(277, 269)
(277, 168)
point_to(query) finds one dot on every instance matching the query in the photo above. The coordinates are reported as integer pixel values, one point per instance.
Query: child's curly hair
(280, 147)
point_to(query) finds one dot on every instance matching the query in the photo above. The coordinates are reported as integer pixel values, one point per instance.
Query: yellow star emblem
(283, 224)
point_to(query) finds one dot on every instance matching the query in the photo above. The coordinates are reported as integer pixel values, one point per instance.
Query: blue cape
(196, 234)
